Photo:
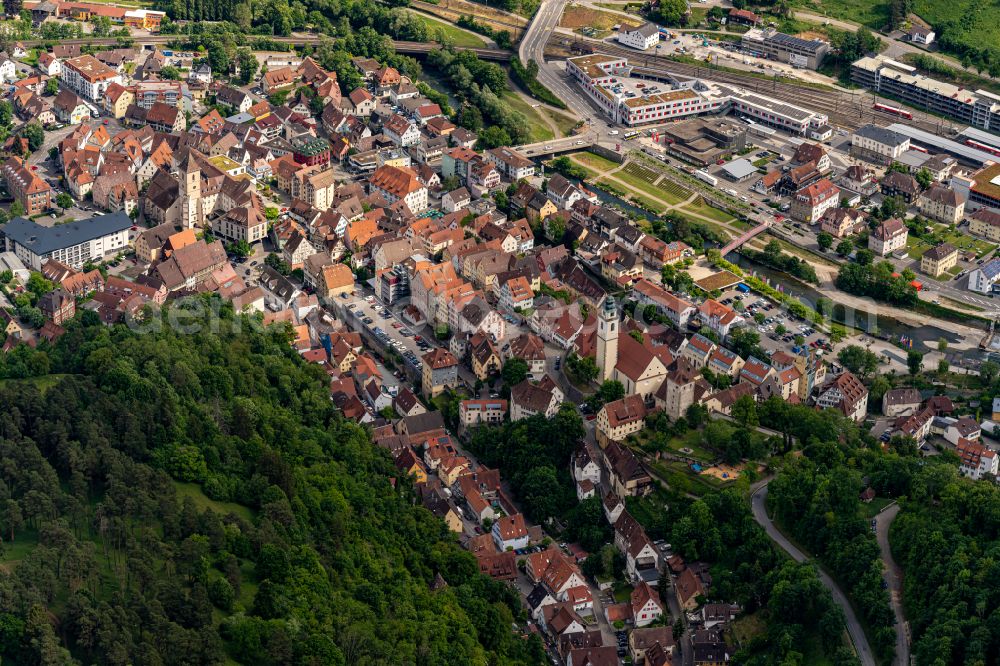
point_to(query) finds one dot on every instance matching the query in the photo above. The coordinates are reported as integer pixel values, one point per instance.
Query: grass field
(617, 187)
(576, 17)
(538, 129)
(202, 501)
(15, 551)
(701, 208)
(682, 478)
(591, 174)
(976, 21)
(594, 161)
(691, 440)
(43, 383)
(452, 33)
(873, 508)
(916, 247)
(563, 122)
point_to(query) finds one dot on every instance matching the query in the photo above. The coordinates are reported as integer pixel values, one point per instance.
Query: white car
(613, 133)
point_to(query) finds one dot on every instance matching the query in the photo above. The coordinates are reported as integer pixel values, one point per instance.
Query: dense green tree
(515, 371)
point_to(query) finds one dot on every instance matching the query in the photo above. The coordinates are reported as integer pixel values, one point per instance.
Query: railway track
(401, 46)
(847, 109)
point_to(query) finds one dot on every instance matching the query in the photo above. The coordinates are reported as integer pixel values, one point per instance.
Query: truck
(706, 177)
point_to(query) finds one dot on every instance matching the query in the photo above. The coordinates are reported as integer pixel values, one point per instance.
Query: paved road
(758, 502)
(895, 577)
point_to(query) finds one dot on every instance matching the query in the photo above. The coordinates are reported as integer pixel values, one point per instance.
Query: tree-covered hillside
(192, 498)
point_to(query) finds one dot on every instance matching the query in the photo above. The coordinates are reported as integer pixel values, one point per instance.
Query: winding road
(758, 501)
(894, 576)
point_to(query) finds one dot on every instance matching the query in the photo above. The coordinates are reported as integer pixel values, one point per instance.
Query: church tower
(190, 186)
(607, 339)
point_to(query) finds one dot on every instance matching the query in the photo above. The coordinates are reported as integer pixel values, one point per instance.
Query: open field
(538, 129)
(452, 10)
(591, 174)
(594, 161)
(626, 191)
(17, 550)
(44, 383)
(916, 247)
(701, 208)
(581, 18)
(873, 508)
(451, 33)
(873, 13)
(202, 501)
(972, 23)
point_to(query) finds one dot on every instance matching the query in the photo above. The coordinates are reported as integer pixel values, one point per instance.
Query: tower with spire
(607, 338)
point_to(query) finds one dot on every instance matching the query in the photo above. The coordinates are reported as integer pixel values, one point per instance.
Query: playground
(721, 472)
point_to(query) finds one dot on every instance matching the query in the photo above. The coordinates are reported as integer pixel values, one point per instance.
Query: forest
(190, 496)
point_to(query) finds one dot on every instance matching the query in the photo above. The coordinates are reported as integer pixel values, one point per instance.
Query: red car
(721, 162)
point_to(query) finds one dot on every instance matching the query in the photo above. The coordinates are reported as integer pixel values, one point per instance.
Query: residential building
(845, 393)
(985, 223)
(440, 372)
(977, 460)
(510, 163)
(88, 77)
(646, 604)
(843, 222)
(937, 260)
(399, 183)
(674, 308)
(528, 399)
(644, 37)
(27, 188)
(984, 278)
(718, 317)
(811, 202)
(627, 475)
(889, 237)
(69, 108)
(964, 428)
(510, 533)
(58, 305)
(618, 419)
(476, 412)
(942, 204)
(901, 402)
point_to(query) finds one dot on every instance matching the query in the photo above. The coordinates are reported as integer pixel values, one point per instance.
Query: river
(924, 337)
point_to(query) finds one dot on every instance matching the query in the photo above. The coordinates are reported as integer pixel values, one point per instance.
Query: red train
(885, 108)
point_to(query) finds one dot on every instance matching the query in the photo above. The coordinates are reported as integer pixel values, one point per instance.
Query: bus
(706, 177)
(632, 134)
(983, 147)
(885, 108)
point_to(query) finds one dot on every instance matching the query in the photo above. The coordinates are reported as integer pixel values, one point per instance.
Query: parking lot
(386, 326)
(778, 330)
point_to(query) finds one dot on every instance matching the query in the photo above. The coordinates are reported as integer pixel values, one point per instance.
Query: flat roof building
(979, 108)
(703, 141)
(778, 46)
(607, 81)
